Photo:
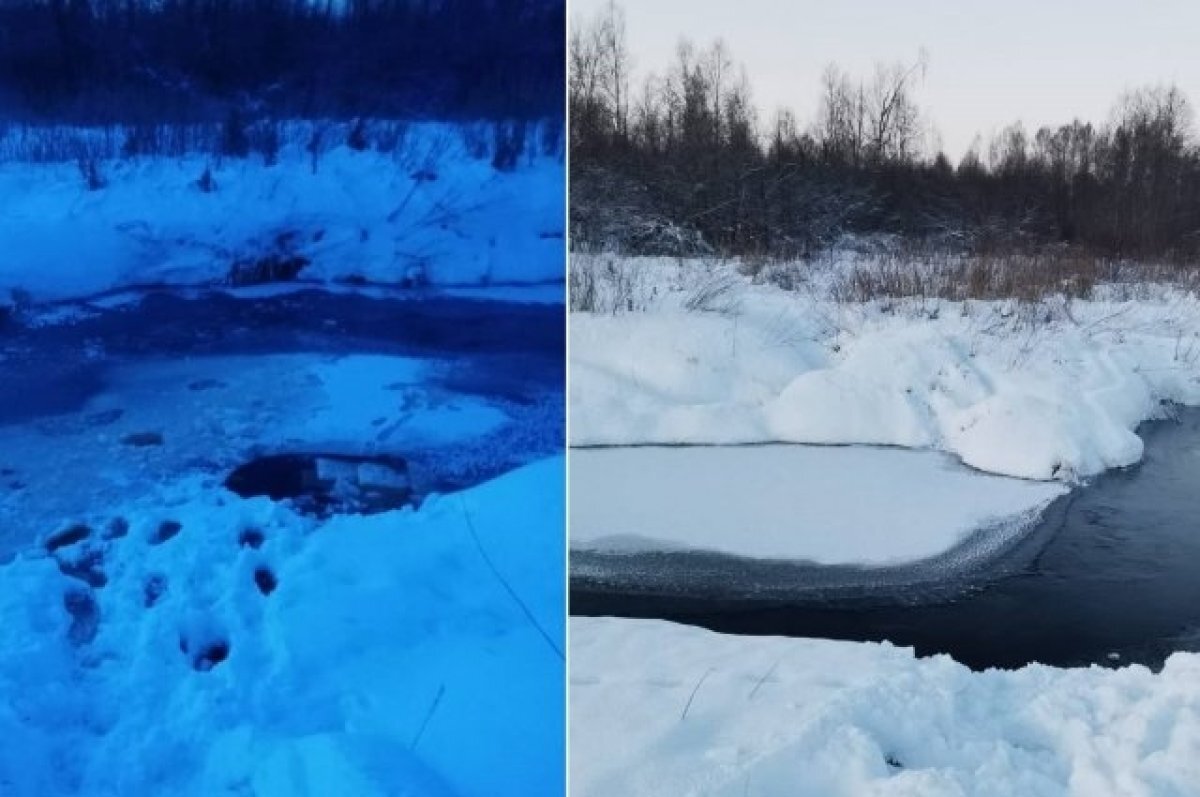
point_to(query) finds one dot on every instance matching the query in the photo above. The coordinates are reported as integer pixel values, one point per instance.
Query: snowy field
(384, 655)
(820, 504)
(660, 709)
(162, 634)
(426, 213)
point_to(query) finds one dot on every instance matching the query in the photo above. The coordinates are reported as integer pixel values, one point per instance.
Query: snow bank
(406, 653)
(663, 709)
(829, 505)
(428, 213)
(1052, 391)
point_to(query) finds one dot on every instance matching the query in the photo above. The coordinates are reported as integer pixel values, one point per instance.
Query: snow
(389, 660)
(1049, 390)
(682, 362)
(417, 651)
(828, 505)
(657, 708)
(369, 215)
(214, 411)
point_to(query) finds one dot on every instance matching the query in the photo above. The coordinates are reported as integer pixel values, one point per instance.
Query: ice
(829, 505)
(213, 411)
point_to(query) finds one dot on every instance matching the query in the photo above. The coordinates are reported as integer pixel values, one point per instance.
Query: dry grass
(1028, 276)
(603, 284)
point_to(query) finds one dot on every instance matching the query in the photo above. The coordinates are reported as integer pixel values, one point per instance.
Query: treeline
(692, 142)
(98, 62)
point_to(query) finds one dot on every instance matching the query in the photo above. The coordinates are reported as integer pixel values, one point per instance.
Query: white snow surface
(413, 652)
(391, 659)
(368, 214)
(828, 505)
(1052, 390)
(657, 708)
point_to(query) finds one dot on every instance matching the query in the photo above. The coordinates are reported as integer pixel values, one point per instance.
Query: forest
(109, 62)
(684, 162)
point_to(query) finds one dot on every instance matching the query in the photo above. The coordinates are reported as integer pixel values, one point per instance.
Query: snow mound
(428, 213)
(659, 709)
(1050, 391)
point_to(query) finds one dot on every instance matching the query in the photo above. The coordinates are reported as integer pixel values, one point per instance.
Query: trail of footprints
(79, 551)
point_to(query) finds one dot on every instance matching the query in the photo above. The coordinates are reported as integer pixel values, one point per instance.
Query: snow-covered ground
(791, 502)
(192, 641)
(1046, 391)
(428, 212)
(405, 653)
(660, 709)
(211, 413)
(691, 353)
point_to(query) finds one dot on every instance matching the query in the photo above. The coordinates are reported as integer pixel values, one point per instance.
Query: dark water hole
(1111, 577)
(509, 354)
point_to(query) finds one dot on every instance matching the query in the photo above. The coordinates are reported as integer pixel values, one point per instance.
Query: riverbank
(657, 707)
(1050, 390)
(426, 211)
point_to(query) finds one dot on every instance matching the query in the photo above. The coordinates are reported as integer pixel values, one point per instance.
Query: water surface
(1110, 576)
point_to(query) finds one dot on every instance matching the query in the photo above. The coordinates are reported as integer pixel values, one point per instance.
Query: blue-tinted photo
(281, 397)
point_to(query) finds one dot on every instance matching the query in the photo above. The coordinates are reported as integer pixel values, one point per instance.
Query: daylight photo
(884, 360)
(282, 398)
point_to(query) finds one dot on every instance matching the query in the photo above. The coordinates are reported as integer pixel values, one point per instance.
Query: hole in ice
(265, 580)
(324, 484)
(165, 531)
(277, 476)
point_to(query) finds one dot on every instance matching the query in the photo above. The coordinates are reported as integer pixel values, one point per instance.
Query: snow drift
(429, 212)
(1047, 391)
(658, 709)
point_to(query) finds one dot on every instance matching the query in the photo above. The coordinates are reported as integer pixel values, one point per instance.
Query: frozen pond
(1107, 576)
(101, 402)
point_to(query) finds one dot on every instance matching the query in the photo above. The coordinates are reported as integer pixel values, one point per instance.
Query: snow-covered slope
(1045, 391)
(406, 653)
(663, 709)
(426, 213)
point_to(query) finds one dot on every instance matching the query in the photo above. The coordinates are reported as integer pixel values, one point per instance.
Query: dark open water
(1111, 576)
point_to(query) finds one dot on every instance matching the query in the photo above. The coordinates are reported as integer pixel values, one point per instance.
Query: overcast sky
(990, 63)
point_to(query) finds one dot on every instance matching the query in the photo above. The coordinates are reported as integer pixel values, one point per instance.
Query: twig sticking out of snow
(504, 582)
(692, 696)
(762, 680)
(437, 701)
